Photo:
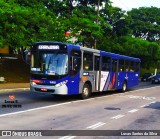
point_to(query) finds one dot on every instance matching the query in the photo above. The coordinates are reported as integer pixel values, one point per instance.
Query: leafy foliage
(92, 22)
(145, 23)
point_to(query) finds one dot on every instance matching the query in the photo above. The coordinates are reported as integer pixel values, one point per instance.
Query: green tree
(23, 23)
(147, 51)
(145, 23)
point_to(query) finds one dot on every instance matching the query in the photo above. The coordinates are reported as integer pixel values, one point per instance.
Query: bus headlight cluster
(35, 82)
(61, 83)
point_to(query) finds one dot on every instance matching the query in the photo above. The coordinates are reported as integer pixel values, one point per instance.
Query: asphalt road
(137, 109)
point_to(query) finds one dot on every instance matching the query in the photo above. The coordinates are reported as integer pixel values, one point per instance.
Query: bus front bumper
(61, 90)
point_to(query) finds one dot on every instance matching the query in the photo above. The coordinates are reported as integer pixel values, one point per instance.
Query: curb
(15, 89)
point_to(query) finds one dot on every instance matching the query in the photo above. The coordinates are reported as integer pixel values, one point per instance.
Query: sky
(129, 4)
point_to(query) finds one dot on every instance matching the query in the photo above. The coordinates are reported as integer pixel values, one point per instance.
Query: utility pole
(98, 11)
(97, 20)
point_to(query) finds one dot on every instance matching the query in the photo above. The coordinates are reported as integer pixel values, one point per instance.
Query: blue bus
(67, 69)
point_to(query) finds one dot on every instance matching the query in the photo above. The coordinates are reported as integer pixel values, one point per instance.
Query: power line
(124, 5)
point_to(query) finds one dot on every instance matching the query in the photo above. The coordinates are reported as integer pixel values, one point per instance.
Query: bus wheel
(86, 92)
(124, 87)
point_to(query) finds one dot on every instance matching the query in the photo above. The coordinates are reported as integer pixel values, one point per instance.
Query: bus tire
(86, 92)
(124, 86)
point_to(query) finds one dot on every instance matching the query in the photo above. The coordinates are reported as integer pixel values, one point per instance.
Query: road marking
(132, 111)
(153, 102)
(7, 114)
(143, 89)
(83, 100)
(96, 125)
(117, 117)
(128, 92)
(19, 112)
(143, 106)
(138, 97)
(147, 105)
(67, 137)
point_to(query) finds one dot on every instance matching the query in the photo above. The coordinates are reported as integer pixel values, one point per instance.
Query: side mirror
(28, 57)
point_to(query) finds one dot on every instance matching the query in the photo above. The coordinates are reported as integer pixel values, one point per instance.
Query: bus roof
(117, 56)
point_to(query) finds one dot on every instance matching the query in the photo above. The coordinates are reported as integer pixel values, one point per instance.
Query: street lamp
(111, 25)
(122, 18)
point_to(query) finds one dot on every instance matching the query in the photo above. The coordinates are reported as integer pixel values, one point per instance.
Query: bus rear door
(97, 72)
(114, 74)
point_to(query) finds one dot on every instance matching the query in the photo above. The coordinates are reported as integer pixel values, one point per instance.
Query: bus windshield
(49, 63)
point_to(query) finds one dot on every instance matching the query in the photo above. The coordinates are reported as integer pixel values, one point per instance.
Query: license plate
(156, 81)
(44, 89)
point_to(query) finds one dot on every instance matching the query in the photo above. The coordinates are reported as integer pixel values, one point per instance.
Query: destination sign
(48, 47)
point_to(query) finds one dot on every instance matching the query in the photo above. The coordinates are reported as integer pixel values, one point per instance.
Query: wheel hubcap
(124, 87)
(85, 91)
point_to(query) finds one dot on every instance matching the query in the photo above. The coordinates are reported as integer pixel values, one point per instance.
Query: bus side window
(75, 62)
(121, 65)
(127, 65)
(96, 63)
(114, 65)
(85, 64)
(106, 62)
(132, 66)
(136, 67)
(87, 61)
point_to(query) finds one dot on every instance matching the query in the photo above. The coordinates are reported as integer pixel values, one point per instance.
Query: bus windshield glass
(49, 63)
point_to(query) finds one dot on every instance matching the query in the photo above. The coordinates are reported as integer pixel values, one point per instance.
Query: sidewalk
(13, 86)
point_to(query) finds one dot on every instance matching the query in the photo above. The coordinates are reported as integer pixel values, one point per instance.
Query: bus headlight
(61, 83)
(35, 82)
